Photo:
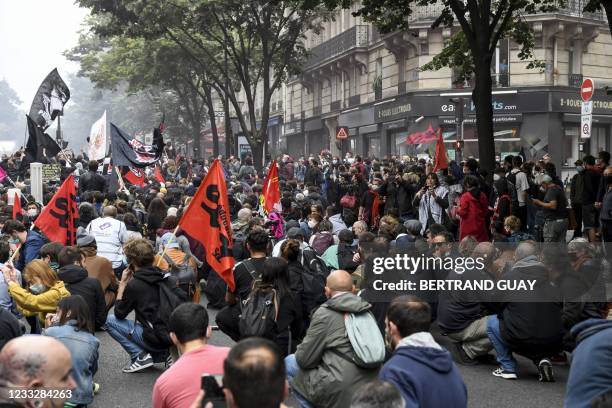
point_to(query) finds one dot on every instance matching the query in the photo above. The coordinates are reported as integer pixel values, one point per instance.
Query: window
(500, 66)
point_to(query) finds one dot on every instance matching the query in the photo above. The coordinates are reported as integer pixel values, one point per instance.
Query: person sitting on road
(377, 394)
(190, 332)
(531, 325)
(74, 276)
(110, 235)
(326, 351)
(31, 241)
(420, 368)
(139, 292)
(98, 267)
(72, 325)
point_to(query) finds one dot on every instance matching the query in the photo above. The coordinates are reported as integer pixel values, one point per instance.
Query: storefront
(275, 126)
(363, 132)
(292, 141)
(317, 138)
(534, 120)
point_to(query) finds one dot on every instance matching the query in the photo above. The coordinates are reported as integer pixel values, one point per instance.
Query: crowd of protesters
(325, 339)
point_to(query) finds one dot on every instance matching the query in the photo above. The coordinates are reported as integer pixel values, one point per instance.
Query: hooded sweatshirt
(473, 209)
(424, 373)
(78, 283)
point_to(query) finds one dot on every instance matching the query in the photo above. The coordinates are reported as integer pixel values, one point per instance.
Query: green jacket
(325, 378)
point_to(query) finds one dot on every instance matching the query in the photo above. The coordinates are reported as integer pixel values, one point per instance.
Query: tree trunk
(257, 150)
(483, 101)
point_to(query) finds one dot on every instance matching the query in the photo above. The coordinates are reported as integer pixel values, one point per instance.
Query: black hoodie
(142, 296)
(78, 283)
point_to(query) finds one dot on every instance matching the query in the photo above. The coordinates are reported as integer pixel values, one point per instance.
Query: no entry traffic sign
(586, 89)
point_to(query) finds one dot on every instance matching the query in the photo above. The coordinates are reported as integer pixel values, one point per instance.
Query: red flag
(17, 211)
(134, 176)
(440, 158)
(158, 174)
(270, 193)
(207, 219)
(427, 136)
(58, 220)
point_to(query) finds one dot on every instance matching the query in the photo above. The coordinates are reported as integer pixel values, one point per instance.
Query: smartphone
(212, 392)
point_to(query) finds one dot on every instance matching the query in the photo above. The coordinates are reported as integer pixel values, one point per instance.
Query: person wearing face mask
(421, 369)
(31, 242)
(44, 289)
(32, 212)
(576, 190)
(49, 253)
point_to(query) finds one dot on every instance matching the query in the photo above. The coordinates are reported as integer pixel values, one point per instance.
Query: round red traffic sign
(586, 89)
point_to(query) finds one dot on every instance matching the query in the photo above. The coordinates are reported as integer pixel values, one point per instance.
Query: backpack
(185, 274)
(314, 263)
(511, 180)
(259, 313)
(171, 296)
(366, 341)
(322, 241)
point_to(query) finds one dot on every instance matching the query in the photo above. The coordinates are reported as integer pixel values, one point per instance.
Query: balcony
(354, 37)
(573, 8)
(426, 13)
(354, 100)
(335, 106)
(574, 80)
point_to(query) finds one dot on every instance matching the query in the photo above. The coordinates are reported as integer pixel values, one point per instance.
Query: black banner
(50, 99)
(129, 152)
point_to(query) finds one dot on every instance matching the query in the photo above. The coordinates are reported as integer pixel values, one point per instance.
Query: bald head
(338, 281)
(486, 251)
(36, 362)
(110, 211)
(524, 249)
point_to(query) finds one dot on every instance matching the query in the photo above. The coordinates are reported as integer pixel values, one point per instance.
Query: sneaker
(546, 371)
(96, 388)
(505, 374)
(144, 360)
(460, 356)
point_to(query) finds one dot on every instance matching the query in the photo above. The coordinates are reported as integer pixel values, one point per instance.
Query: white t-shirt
(521, 184)
(110, 236)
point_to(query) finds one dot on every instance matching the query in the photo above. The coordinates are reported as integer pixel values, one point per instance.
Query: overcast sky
(34, 35)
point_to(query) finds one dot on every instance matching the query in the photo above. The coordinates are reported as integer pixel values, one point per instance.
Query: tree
(262, 40)
(149, 65)
(133, 112)
(483, 23)
(11, 118)
(594, 6)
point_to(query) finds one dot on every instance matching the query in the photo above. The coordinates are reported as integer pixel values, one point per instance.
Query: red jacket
(473, 214)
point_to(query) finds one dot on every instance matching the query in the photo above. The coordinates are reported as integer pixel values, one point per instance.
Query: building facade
(373, 85)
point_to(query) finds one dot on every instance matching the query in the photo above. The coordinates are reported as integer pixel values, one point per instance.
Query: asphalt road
(134, 390)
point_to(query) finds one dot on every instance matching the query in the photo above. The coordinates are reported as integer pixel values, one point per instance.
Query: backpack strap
(169, 260)
(248, 264)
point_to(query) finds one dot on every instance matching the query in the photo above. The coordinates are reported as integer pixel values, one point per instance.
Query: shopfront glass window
(374, 147)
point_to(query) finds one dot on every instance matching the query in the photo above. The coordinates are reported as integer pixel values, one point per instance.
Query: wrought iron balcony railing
(354, 37)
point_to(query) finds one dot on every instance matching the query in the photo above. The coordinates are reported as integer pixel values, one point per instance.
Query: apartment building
(373, 85)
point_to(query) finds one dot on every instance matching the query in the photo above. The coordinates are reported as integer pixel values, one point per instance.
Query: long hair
(41, 270)
(75, 308)
(275, 274)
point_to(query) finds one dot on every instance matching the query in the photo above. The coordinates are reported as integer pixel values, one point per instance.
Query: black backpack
(259, 313)
(185, 274)
(313, 279)
(170, 297)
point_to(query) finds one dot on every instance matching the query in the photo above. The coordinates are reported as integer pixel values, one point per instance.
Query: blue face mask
(54, 265)
(579, 169)
(37, 288)
(13, 241)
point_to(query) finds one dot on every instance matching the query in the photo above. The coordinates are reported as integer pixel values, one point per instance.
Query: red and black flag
(40, 146)
(129, 152)
(158, 174)
(134, 176)
(59, 219)
(17, 208)
(207, 219)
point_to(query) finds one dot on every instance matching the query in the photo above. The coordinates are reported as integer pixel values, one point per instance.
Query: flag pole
(10, 261)
(166, 246)
(121, 183)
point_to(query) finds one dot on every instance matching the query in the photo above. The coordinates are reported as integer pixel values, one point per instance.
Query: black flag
(129, 152)
(40, 145)
(50, 99)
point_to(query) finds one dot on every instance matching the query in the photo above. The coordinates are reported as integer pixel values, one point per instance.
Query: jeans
(293, 368)
(504, 355)
(129, 335)
(555, 230)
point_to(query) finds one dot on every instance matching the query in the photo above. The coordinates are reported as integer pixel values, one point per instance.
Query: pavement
(119, 390)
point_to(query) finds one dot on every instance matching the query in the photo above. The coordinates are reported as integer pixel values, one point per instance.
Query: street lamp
(459, 121)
